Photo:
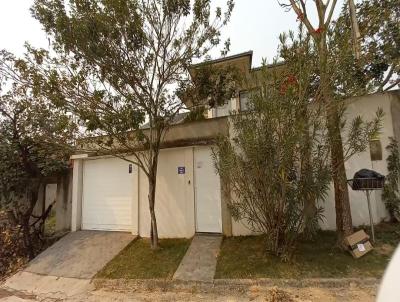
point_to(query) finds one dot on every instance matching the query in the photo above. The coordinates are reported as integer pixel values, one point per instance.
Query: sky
(255, 25)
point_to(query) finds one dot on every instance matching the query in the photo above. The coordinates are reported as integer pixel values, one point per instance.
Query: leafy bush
(276, 162)
(391, 194)
(277, 157)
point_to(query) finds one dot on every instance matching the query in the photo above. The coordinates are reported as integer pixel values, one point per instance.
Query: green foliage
(119, 62)
(123, 60)
(210, 85)
(118, 65)
(391, 194)
(196, 114)
(35, 139)
(275, 160)
(356, 133)
(378, 67)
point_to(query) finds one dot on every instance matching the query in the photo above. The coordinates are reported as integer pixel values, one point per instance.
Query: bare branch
(302, 15)
(386, 80)
(330, 14)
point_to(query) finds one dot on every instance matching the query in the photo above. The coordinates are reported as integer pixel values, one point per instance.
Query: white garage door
(107, 195)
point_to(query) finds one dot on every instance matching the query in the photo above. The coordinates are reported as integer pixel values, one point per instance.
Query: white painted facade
(106, 196)
(111, 198)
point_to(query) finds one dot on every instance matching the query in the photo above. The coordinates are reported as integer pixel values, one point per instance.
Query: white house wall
(175, 198)
(365, 107)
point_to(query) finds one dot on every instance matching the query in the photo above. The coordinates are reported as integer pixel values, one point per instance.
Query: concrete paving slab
(200, 260)
(51, 286)
(65, 269)
(79, 254)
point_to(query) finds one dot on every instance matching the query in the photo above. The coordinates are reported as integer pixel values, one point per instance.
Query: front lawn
(138, 261)
(244, 257)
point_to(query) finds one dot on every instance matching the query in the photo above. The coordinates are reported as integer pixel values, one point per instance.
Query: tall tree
(275, 160)
(343, 71)
(119, 63)
(35, 142)
(325, 10)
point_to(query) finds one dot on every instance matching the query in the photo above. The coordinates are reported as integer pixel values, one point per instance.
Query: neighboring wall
(64, 202)
(58, 192)
(366, 107)
(46, 196)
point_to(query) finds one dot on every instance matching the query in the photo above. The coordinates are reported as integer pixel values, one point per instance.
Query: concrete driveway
(79, 254)
(66, 268)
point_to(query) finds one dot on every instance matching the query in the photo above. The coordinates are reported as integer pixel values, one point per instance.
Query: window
(222, 110)
(244, 100)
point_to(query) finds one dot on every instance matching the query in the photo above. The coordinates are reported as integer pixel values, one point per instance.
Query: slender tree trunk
(32, 198)
(344, 223)
(152, 198)
(26, 234)
(310, 206)
(355, 30)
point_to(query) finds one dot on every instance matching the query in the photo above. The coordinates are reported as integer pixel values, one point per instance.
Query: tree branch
(387, 78)
(302, 15)
(330, 14)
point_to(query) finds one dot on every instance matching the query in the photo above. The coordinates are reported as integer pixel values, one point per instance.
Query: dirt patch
(331, 295)
(254, 294)
(277, 295)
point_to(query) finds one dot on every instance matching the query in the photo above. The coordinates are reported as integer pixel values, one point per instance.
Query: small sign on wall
(181, 170)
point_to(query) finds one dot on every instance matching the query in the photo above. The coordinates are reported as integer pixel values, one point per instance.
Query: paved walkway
(66, 268)
(200, 260)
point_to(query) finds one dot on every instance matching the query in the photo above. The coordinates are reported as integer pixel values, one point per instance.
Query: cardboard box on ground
(359, 244)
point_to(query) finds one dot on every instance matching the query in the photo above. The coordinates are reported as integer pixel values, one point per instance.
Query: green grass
(245, 257)
(138, 261)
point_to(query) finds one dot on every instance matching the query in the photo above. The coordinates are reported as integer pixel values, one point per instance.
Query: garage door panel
(107, 195)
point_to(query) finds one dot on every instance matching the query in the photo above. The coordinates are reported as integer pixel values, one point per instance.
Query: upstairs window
(244, 100)
(222, 110)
